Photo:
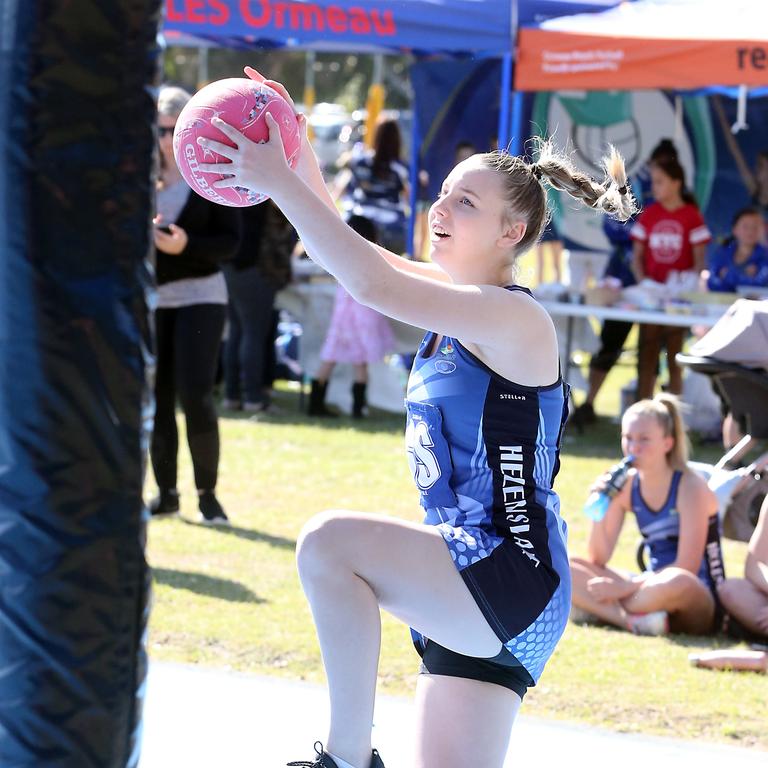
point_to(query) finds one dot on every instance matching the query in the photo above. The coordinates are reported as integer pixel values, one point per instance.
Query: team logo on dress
(421, 457)
(445, 363)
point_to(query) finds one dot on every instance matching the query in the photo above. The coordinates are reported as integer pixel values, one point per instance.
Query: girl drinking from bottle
(484, 584)
(677, 517)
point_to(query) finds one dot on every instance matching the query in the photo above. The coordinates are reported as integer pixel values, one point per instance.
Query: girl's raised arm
(605, 533)
(486, 315)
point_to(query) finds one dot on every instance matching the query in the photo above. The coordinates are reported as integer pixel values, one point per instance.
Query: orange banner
(554, 61)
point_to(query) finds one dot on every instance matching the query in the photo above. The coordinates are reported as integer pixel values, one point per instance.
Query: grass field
(230, 598)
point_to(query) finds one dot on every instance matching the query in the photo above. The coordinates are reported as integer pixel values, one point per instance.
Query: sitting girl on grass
(677, 517)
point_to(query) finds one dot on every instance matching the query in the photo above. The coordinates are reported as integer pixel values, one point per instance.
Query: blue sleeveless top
(484, 453)
(660, 530)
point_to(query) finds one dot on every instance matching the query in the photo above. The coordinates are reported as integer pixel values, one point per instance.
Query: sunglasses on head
(164, 130)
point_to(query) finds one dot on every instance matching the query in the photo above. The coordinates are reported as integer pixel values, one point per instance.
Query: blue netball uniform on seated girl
(660, 529)
(484, 453)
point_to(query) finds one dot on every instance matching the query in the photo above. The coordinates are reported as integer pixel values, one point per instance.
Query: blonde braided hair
(526, 195)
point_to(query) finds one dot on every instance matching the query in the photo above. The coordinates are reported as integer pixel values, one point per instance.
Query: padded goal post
(77, 109)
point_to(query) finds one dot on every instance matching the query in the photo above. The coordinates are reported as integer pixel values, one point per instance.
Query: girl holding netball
(485, 584)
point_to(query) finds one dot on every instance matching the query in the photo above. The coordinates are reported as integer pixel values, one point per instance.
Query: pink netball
(244, 104)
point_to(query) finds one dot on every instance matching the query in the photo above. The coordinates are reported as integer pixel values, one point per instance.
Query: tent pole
(375, 102)
(506, 89)
(515, 143)
(415, 168)
(309, 90)
(202, 66)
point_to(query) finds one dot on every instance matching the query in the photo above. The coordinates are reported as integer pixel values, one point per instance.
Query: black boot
(317, 400)
(165, 504)
(359, 403)
(211, 511)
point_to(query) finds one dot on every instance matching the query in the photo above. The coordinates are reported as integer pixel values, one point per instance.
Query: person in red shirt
(669, 236)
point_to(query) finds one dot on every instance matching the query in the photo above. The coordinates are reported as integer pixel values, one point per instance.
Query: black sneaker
(323, 760)
(211, 511)
(165, 504)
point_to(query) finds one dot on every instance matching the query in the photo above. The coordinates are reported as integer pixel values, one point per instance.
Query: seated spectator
(747, 599)
(677, 517)
(743, 260)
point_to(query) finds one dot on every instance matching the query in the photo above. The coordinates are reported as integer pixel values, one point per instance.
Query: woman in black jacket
(192, 238)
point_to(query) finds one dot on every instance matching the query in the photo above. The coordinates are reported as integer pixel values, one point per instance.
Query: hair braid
(526, 196)
(612, 196)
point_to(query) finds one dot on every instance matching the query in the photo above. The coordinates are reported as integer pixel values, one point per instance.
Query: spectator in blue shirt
(742, 260)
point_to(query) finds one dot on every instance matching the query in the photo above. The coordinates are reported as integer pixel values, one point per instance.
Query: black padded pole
(76, 138)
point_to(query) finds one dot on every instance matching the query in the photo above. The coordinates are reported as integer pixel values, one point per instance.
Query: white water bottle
(598, 501)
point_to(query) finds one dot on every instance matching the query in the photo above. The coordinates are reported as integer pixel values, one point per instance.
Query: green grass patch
(230, 598)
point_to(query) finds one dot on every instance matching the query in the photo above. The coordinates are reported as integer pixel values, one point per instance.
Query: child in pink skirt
(357, 335)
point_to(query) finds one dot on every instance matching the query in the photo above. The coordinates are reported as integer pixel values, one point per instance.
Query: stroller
(734, 354)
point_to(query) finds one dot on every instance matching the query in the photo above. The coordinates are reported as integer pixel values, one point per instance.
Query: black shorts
(503, 669)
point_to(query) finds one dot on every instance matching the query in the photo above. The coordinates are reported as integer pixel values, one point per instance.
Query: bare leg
(325, 370)
(731, 431)
(351, 565)
(743, 600)
(611, 611)
(648, 350)
(556, 247)
(688, 602)
(674, 344)
(360, 373)
(485, 711)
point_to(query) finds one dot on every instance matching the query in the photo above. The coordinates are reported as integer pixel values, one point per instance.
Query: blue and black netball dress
(484, 453)
(660, 530)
